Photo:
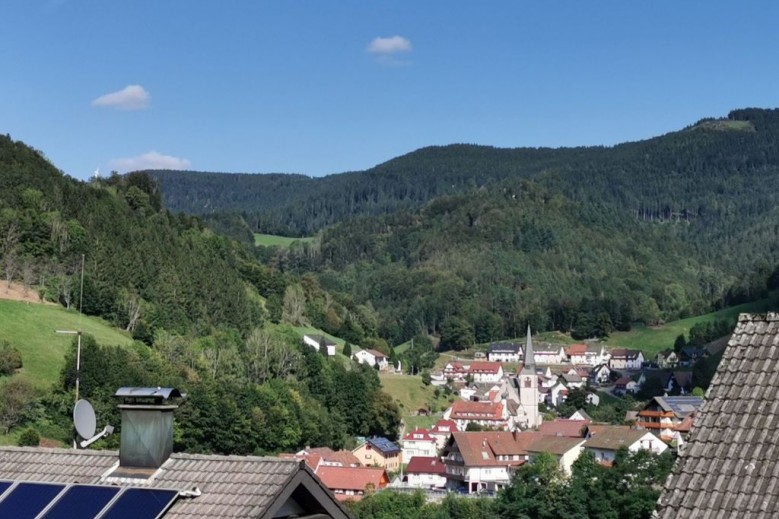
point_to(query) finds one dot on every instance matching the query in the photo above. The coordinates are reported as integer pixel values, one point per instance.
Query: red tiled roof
(377, 354)
(425, 465)
(566, 428)
(477, 410)
(622, 381)
(485, 367)
(478, 449)
(577, 349)
(418, 435)
(352, 478)
(344, 457)
(448, 426)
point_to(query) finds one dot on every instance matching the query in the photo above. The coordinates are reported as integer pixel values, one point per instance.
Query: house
(419, 443)
(572, 380)
(600, 374)
(485, 371)
(504, 352)
(478, 461)
(546, 353)
(603, 441)
(425, 472)
(557, 394)
(690, 355)
(625, 385)
(667, 359)
(147, 479)
(372, 358)
(580, 414)
(480, 355)
(379, 452)
(487, 414)
(681, 381)
(729, 466)
(441, 432)
(587, 354)
(626, 359)
(667, 415)
(352, 483)
(566, 450)
(455, 371)
(325, 456)
(317, 341)
(564, 427)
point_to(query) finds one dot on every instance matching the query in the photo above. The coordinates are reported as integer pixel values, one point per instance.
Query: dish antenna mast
(85, 422)
(78, 332)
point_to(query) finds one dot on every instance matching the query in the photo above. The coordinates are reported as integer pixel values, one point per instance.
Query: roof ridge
(60, 450)
(230, 457)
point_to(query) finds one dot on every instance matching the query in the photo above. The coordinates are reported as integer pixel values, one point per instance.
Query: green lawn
(271, 240)
(654, 339)
(31, 328)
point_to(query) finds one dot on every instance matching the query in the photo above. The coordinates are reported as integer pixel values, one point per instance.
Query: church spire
(530, 361)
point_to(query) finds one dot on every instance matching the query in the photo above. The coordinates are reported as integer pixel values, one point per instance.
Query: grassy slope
(270, 240)
(655, 339)
(31, 329)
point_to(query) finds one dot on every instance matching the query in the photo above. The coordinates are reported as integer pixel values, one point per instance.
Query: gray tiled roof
(231, 486)
(730, 465)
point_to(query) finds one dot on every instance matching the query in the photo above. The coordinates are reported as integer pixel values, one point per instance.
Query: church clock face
(528, 382)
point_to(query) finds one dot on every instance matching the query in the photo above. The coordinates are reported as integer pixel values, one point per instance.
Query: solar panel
(141, 503)
(4, 486)
(81, 501)
(27, 500)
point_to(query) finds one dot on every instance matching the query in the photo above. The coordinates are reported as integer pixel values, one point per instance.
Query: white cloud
(150, 160)
(131, 97)
(389, 46)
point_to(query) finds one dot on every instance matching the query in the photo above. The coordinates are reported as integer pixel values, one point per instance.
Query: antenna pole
(78, 363)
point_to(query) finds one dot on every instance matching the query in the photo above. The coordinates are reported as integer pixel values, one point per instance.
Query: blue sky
(320, 87)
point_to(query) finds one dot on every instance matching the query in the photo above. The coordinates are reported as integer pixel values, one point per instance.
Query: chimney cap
(156, 393)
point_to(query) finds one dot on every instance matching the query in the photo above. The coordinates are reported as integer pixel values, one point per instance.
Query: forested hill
(470, 243)
(710, 169)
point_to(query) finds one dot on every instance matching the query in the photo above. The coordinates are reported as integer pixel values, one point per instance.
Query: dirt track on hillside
(16, 293)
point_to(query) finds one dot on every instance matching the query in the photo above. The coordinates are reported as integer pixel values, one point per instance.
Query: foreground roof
(230, 486)
(730, 464)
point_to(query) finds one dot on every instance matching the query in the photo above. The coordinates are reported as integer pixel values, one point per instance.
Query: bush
(29, 438)
(10, 359)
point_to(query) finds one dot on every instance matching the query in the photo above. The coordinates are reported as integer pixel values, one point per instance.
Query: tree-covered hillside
(469, 242)
(208, 317)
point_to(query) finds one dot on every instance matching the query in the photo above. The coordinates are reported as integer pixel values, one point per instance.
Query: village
(495, 423)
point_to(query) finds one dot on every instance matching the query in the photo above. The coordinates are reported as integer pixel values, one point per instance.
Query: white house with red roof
(425, 472)
(441, 432)
(587, 354)
(485, 371)
(418, 443)
(455, 371)
(487, 414)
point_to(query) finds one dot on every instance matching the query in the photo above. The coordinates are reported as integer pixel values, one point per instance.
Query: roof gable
(230, 486)
(729, 467)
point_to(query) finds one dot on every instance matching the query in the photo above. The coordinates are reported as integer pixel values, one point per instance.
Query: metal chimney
(147, 425)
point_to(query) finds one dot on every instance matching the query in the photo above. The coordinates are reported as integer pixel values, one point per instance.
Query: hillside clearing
(272, 240)
(31, 328)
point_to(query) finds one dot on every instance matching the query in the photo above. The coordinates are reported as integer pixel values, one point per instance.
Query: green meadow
(271, 240)
(31, 328)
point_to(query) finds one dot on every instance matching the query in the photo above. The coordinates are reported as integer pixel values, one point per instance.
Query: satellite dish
(86, 423)
(84, 419)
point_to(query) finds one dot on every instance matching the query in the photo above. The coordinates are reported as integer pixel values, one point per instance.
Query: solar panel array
(28, 500)
(384, 445)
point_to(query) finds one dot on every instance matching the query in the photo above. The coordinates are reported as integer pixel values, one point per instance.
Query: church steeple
(530, 361)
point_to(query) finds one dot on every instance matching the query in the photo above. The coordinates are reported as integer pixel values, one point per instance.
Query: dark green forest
(470, 243)
(207, 317)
